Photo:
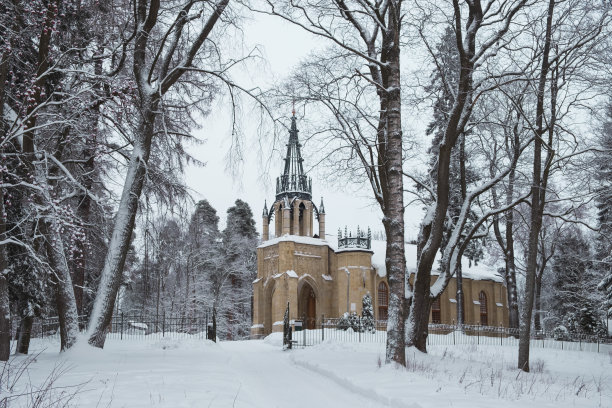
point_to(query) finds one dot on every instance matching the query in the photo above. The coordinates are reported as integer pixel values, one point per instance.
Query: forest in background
(99, 101)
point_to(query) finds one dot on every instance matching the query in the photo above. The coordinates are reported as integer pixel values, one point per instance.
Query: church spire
(293, 182)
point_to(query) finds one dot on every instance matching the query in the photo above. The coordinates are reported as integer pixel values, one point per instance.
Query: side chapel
(318, 278)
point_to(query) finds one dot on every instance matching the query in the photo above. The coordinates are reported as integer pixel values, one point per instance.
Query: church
(320, 278)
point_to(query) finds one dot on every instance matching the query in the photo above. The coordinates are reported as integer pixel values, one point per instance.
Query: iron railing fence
(131, 325)
(316, 331)
(336, 329)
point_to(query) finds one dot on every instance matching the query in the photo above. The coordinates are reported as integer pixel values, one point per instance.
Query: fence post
(121, 337)
(454, 330)
(359, 320)
(164, 324)
(322, 328)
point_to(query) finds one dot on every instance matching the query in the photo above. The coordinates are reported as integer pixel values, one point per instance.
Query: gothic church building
(317, 277)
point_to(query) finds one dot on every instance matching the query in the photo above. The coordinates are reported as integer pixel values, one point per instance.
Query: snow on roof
(291, 273)
(482, 271)
(296, 238)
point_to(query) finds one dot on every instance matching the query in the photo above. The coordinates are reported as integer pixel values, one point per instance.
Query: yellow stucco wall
(325, 271)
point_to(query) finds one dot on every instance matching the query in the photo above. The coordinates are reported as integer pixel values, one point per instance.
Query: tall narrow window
(484, 318)
(436, 314)
(383, 301)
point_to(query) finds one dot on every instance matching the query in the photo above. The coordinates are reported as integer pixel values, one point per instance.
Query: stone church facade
(318, 277)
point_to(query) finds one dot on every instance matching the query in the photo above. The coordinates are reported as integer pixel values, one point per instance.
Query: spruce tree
(367, 314)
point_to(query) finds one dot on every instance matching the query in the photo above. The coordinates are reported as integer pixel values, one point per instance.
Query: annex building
(328, 275)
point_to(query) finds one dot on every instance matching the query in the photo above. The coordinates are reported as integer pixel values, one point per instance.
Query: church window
(436, 315)
(484, 317)
(383, 301)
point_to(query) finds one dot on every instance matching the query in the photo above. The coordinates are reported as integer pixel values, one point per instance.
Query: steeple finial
(293, 110)
(265, 209)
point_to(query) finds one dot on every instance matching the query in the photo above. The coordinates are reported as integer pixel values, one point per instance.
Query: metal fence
(131, 325)
(442, 335)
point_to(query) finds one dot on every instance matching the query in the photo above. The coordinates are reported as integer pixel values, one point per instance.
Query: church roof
(293, 182)
(482, 271)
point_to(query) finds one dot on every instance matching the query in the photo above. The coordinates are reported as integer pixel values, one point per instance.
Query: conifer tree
(367, 314)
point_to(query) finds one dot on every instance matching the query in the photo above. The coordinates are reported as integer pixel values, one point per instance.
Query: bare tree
(472, 53)
(158, 64)
(363, 62)
(559, 62)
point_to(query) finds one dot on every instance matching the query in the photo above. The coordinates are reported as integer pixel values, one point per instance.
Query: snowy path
(269, 378)
(186, 372)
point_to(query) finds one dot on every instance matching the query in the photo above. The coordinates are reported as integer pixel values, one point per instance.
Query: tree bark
(112, 272)
(49, 226)
(431, 232)
(390, 142)
(24, 334)
(5, 311)
(537, 203)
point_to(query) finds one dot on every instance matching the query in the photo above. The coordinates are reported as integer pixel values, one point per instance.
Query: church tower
(293, 210)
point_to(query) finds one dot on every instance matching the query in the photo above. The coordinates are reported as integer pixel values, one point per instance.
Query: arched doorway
(267, 317)
(307, 306)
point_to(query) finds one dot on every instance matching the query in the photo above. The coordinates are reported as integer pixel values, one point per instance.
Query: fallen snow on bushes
(187, 372)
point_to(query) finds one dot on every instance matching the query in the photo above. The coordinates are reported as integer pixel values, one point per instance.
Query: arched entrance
(307, 306)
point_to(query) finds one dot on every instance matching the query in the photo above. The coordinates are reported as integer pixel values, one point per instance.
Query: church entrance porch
(307, 306)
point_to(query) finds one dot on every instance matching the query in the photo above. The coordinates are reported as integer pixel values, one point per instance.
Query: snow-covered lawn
(197, 373)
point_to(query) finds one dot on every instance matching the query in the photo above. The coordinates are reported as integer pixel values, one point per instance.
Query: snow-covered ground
(195, 373)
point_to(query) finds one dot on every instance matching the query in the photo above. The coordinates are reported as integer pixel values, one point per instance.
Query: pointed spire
(265, 209)
(322, 207)
(293, 182)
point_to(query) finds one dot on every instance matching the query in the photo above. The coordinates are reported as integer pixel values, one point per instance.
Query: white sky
(252, 184)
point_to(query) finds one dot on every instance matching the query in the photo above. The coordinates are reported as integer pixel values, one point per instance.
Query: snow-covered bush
(349, 321)
(560, 333)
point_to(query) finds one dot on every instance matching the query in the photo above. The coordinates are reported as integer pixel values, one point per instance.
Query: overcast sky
(283, 47)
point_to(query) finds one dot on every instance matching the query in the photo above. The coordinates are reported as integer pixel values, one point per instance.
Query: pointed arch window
(383, 301)
(484, 316)
(436, 312)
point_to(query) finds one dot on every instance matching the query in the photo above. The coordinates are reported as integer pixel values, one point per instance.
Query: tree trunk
(5, 317)
(460, 305)
(537, 319)
(5, 311)
(112, 272)
(24, 334)
(537, 204)
(66, 304)
(390, 139)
